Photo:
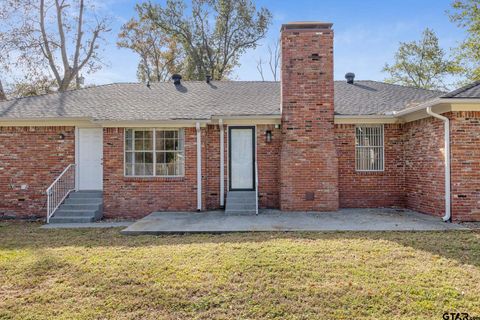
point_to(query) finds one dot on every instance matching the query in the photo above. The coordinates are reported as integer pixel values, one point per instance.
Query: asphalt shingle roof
(469, 91)
(200, 100)
(372, 97)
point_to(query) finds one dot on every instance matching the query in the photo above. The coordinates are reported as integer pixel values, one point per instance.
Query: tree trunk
(3, 96)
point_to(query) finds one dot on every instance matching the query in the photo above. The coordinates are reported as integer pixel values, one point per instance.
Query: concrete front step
(80, 207)
(241, 194)
(83, 201)
(241, 206)
(76, 213)
(86, 194)
(241, 202)
(241, 212)
(72, 219)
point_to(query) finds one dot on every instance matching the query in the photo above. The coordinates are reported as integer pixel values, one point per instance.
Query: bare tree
(260, 68)
(84, 52)
(274, 58)
(273, 61)
(47, 42)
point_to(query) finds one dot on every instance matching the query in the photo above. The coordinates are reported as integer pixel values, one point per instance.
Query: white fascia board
(152, 123)
(47, 122)
(367, 119)
(244, 120)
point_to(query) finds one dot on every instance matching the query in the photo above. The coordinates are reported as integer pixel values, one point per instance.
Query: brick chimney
(309, 165)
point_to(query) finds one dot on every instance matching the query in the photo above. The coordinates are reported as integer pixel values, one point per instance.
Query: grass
(100, 274)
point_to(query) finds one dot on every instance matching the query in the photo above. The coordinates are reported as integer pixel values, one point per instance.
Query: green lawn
(100, 274)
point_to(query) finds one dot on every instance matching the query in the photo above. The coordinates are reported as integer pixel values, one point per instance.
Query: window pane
(138, 157)
(148, 157)
(148, 144)
(161, 157)
(128, 145)
(138, 144)
(128, 134)
(129, 169)
(149, 169)
(129, 157)
(169, 144)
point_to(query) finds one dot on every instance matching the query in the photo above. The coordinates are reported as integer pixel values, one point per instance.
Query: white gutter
(446, 122)
(199, 167)
(222, 164)
(247, 117)
(421, 106)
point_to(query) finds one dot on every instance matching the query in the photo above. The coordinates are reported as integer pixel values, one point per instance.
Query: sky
(367, 34)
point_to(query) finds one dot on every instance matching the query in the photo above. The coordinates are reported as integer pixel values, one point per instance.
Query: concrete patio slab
(275, 220)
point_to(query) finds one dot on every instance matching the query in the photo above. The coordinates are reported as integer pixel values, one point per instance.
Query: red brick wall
(268, 158)
(213, 166)
(308, 166)
(137, 197)
(370, 189)
(465, 153)
(33, 157)
(424, 166)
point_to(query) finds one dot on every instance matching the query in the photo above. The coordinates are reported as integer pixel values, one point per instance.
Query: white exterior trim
(199, 167)
(77, 154)
(222, 163)
(374, 119)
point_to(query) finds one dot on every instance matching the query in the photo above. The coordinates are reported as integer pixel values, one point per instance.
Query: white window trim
(154, 152)
(383, 148)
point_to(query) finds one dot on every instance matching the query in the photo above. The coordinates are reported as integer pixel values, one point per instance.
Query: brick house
(308, 143)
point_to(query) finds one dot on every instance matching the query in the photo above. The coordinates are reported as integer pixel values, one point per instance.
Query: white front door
(242, 158)
(90, 157)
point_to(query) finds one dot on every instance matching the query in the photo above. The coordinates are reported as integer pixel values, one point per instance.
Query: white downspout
(256, 174)
(222, 164)
(199, 167)
(446, 122)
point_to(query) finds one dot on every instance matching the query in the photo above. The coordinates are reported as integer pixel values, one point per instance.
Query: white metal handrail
(59, 190)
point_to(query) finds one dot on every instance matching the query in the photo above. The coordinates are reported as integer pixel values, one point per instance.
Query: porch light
(268, 136)
(61, 136)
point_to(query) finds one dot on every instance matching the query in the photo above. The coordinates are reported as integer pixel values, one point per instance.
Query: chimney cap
(176, 79)
(350, 76)
(306, 25)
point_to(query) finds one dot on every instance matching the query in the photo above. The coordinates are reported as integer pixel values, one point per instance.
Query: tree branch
(61, 32)
(46, 47)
